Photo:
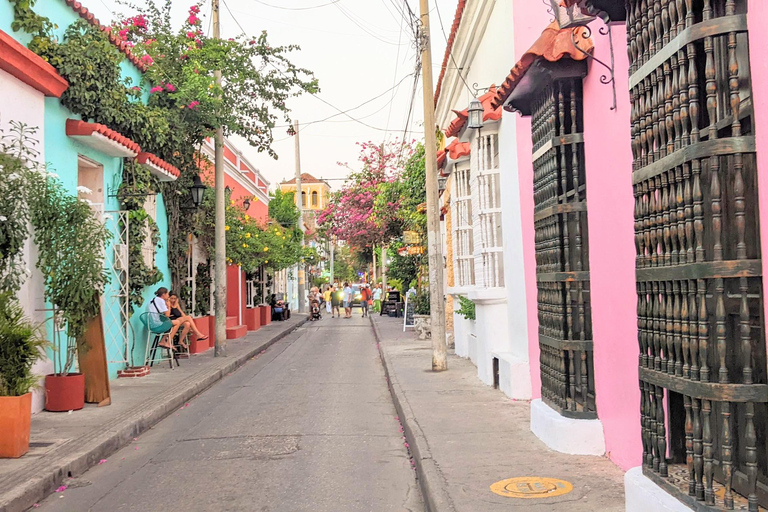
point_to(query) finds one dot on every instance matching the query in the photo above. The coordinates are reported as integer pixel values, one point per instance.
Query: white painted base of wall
(514, 376)
(472, 348)
(566, 435)
(643, 495)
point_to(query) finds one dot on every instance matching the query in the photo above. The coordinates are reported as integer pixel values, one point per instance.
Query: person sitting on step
(176, 313)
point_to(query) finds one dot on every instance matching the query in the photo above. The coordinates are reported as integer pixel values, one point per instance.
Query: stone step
(232, 321)
(237, 331)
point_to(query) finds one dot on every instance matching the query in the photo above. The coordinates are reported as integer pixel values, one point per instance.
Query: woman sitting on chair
(177, 315)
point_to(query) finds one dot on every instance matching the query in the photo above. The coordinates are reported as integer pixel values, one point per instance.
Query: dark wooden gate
(562, 250)
(699, 273)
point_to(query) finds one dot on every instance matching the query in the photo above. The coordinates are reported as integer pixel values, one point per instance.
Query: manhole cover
(531, 487)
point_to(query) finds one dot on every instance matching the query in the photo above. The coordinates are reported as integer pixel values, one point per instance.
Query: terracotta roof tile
(76, 128)
(458, 149)
(553, 44)
(87, 15)
(490, 113)
(449, 46)
(145, 157)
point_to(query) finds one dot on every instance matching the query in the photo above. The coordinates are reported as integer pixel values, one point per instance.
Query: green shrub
(466, 308)
(21, 345)
(421, 303)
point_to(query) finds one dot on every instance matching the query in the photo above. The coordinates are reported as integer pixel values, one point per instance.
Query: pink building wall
(608, 156)
(529, 21)
(758, 39)
(611, 237)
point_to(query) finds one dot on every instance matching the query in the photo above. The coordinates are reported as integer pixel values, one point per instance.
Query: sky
(360, 51)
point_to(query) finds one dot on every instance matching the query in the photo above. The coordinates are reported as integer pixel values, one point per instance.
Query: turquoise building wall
(62, 156)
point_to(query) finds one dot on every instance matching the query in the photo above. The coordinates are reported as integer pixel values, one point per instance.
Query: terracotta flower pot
(64, 392)
(15, 417)
(252, 318)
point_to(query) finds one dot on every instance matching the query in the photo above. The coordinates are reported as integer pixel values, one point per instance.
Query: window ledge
(496, 295)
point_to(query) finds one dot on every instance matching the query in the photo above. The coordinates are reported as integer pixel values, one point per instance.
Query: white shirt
(347, 294)
(377, 294)
(157, 305)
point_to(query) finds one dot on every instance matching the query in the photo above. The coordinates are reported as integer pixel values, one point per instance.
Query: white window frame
(486, 197)
(249, 293)
(463, 231)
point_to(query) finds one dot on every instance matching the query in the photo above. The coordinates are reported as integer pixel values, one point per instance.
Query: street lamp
(197, 189)
(246, 204)
(571, 15)
(475, 114)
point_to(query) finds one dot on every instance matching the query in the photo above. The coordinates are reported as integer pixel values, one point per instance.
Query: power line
(450, 50)
(364, 29)
(297, 8)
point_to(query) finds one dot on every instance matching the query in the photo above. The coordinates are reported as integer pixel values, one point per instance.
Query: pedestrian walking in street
(335, 302)
(365, 296)
(347, 301)
(327, 299)
(377, 299)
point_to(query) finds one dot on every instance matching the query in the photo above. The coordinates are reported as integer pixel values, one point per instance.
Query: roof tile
(553, 44)
(76, 127)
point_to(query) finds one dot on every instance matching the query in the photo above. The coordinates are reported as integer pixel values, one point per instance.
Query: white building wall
(26, 105)
(483, 50)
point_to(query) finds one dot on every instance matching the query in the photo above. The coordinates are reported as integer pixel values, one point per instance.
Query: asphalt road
(308, 425)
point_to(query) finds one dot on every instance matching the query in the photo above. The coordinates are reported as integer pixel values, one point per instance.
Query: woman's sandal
(202, 338)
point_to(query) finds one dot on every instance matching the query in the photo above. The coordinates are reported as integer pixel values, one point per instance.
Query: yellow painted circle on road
(531, 487)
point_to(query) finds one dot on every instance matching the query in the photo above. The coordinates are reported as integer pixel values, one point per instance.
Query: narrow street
(308, 425)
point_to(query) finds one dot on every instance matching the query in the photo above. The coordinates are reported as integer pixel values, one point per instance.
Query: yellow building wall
(322, 190)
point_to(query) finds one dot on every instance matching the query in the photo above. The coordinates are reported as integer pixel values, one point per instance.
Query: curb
(430, 479)
(44, 480)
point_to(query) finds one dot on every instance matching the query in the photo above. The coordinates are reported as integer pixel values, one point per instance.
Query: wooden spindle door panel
(562, 250)
(702, 362)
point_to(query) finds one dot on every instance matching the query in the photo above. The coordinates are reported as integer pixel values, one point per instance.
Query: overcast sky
(358, 49)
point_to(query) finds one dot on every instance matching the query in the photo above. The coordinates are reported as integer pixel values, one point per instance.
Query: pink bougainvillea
(352, 214)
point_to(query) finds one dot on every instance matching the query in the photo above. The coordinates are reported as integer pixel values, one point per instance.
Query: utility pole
(220, 348)
(374, 264)
(300, 205)
(384, 268)
(333, 245)
(436, 294)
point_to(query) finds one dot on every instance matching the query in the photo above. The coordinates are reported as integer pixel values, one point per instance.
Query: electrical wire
(297, 8)
(359, 25)
(450, 51)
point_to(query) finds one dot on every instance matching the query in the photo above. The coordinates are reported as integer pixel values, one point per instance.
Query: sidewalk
(465, 436)
(65, 445)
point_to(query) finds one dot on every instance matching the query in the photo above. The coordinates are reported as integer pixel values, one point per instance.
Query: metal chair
(158, 327)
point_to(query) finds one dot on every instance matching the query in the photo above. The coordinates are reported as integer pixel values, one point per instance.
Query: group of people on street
(336, 297)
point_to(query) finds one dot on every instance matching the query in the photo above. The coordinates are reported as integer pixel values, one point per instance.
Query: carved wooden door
(562, 250)
(699, 270)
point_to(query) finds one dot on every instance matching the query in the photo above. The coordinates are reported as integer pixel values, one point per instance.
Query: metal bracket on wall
(605, 79)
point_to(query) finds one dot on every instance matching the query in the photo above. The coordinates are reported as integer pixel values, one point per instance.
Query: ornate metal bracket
(476, 89)
(605, 79)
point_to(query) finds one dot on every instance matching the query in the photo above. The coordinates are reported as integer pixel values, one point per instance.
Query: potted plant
(421, 315)
(21, 345)
(74, 280)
